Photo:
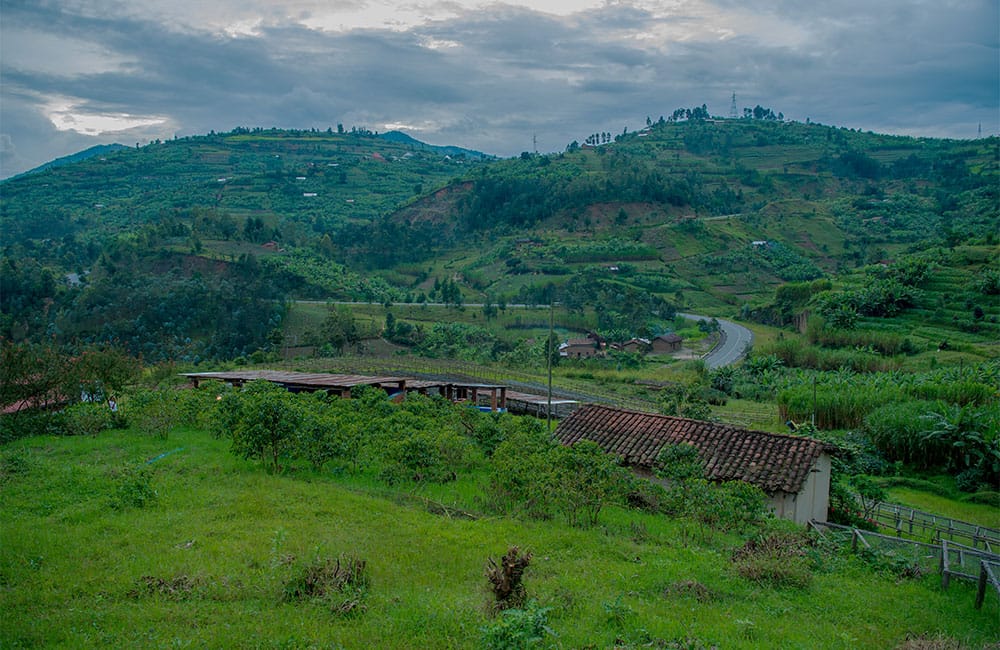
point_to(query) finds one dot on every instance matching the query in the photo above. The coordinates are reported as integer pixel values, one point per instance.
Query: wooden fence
(935, 528)
(950, 559)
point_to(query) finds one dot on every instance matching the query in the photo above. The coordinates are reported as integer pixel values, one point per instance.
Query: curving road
(732, 344)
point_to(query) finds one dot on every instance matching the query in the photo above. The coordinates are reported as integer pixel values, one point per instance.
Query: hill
(97, 150)
(702, 214)
(403, 138)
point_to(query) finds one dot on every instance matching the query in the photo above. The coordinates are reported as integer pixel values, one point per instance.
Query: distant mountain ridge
(96, 150)
(447, 150)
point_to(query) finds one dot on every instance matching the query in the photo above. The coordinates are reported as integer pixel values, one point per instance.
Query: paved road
(731, 347)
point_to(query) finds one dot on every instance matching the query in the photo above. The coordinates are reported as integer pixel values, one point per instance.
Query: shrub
(133, 487)
(778, 560)
(35, 423)
(970, 479)
(985, 497)
(521, 474)
(585, 480)
(517, 629)
(340, 583)
(88, 418)
(154, 411)
(431, 456)
(261, 420)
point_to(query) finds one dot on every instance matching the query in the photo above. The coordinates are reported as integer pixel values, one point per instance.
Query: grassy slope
(68, 563)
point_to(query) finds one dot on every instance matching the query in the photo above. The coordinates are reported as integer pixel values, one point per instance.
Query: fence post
(854, 540)
(945, 572)
(981, 588)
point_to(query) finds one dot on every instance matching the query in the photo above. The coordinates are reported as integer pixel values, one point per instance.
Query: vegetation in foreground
(176, 537)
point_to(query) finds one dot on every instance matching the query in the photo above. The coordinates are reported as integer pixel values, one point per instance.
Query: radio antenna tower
(732, 109)
(534, 141)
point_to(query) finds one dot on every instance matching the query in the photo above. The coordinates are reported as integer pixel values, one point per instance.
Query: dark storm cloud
(493, 78)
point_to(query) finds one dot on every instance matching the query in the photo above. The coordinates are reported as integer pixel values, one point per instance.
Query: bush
(969, 480)
(88, 418)
(516, 629)
(340, 583)
(154, 411)
(777, 560)
(35, 423)
(431, 456)
(985, 497)
(133, 487)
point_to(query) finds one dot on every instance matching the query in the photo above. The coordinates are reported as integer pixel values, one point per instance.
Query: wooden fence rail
(915, 522)
(953, 559)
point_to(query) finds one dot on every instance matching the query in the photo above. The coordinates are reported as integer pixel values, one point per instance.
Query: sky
(499, 77)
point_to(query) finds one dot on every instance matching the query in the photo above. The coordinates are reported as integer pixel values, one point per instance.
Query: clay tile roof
(770, 461)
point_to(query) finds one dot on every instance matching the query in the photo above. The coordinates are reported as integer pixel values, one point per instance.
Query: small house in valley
(666, 343)
(634, 345)
(579, 348)
(793, 471)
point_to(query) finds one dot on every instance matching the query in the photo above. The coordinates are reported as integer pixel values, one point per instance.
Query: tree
(261, 420)
(339, 328)
(585, 480)
(683, 468)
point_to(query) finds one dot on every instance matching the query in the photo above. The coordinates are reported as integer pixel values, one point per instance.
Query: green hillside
(128, 539)
(700, 214)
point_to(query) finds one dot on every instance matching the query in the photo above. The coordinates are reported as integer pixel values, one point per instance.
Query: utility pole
(814, 402)
(548, 364)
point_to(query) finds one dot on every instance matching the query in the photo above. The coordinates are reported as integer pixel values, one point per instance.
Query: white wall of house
(812, 502)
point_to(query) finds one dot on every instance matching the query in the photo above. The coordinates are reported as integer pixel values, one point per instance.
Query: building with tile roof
(793, 471)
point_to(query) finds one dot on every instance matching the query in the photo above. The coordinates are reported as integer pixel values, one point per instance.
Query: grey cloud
(925, 69)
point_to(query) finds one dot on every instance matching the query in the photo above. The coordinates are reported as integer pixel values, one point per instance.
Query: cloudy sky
(481, 74)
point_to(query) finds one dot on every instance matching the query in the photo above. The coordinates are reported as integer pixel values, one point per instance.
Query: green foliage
(733, 505)
(517, 629)
(419, 456)
(532, 475)
(88, 418)
(261, 421)
(155, 412)
(520, 473)
(132, 487)
(687, 402)
(585, 480)
(210, 552)
(339, 328)
(773, 258)
(940, 435)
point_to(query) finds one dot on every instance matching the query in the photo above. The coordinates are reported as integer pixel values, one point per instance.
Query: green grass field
(206, 563)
